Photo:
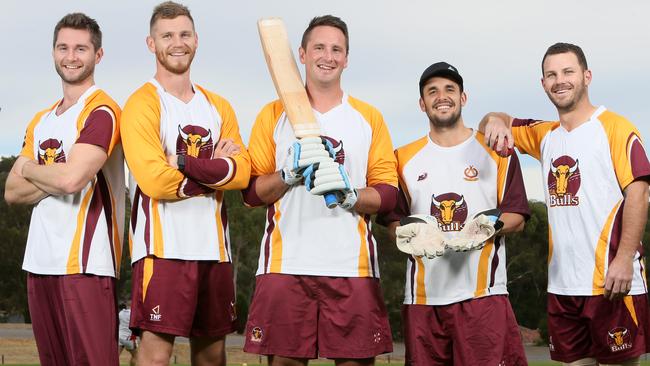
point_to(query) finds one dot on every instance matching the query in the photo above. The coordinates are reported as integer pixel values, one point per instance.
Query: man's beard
(179, 68)
(444, 122)
(85, 74)
(568, 105)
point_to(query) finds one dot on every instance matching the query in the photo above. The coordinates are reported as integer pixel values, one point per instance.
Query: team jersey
(303, 236)
(124, 318)
(79, 232)
(453, 184)
(585, 172)
(180, 215)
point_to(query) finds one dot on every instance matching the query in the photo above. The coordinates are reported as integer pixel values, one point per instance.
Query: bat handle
(330, 199)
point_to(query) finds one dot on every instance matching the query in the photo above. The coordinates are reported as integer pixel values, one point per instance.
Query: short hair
(80, 21)
(169, 10)
(326, 20)
(560, 47)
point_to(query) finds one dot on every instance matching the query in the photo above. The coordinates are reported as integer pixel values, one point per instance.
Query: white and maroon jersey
(454, 184)
(585, 172)
(80, 232)
(303, 236)
(180, 215)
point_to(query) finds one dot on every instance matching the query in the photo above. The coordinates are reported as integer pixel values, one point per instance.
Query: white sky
(496, 45)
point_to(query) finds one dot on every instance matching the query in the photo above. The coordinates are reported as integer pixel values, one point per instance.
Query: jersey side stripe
(158, 244)
(629, 304)
(482, 270)
(363, 250)
(276, 242)
(601, 251)
(220, 226)
(73, 257)
(421, 291)
(147, 273)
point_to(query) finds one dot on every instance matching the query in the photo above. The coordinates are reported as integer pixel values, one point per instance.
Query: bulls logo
(194, 141)
(337, 148)
(619, 339)
(256, 334)
(51, 151)
(564, 182)
(450, 209)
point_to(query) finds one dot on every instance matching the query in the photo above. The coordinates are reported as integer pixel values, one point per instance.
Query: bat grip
(330, 199)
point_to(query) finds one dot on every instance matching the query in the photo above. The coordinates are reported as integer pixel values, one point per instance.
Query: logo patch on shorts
(155, 315)
(256, 334)
(377, 336)
(619, 339)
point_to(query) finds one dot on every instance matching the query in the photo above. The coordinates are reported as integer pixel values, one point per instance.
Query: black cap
(441, 69)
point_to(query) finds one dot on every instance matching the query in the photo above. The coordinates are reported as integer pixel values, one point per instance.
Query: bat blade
(286, 77)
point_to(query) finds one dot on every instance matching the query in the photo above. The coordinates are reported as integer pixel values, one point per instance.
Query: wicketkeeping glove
(301, 154)
(476, 232)
(420, 236)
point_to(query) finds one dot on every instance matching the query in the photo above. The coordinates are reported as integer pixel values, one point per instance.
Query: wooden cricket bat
(288, 83)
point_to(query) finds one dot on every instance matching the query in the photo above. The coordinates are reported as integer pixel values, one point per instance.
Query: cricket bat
(288, 83)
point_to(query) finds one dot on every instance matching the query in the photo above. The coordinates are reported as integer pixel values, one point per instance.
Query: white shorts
(128, 343)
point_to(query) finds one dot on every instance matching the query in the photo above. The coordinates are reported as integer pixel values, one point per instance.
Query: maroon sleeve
(250, 195)
(190, 188)
(514, 196)
(209, 171)
(388, 196)
(97, 130)
(639, 161)
(401, 210)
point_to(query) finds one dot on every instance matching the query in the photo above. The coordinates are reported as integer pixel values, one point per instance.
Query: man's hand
(498, 135)
(476, 232)
(420, 236)
(301, 154)
(618, 281)
(225, 148)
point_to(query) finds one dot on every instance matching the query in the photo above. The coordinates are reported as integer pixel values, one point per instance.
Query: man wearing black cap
(456, 309)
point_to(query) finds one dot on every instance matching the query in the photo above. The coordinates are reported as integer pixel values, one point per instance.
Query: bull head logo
(618, 335)
(49, 154)
(562, 173)
(447, 208)
(194, 141)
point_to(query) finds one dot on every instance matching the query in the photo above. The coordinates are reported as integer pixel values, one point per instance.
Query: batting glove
(301, 154)
(476, 232)
(420, 236)
(326, 176)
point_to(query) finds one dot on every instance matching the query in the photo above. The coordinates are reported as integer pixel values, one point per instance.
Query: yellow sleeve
(230, 130)
(261, 146)
(626, 149)
(140, 131)
(382, 165)
(529, 133)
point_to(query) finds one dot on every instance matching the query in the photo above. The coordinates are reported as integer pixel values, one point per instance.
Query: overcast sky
(496, 45)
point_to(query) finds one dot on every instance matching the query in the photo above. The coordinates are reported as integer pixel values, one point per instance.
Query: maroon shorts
(182, 297)
(592, 326)
(481, 331)
(74, 318)
(311, 316)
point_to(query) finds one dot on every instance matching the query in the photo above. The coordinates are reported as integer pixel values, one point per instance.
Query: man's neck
(178, 85)
(324, 98)
(450, 136)
(572, 119)
(72, 93)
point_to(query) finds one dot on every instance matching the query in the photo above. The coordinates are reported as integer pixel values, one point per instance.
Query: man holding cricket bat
(317, 291)
(183, 149)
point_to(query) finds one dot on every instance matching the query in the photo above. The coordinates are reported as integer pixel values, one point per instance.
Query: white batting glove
(474, 234)
(326, 176)
(420, 236)
(301, 154)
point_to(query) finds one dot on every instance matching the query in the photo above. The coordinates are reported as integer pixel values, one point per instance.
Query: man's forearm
(19, 190)
(635, 216)
(512, 223)
(52, 179)
(270, 188)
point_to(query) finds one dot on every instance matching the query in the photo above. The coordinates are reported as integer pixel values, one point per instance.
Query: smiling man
(596, 170)
(317, 291)
(183, 149)
(71, 169)
(456, 309)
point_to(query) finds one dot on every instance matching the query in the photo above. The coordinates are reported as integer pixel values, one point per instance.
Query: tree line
(527, 255)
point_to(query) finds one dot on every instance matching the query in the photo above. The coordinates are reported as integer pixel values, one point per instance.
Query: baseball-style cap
(441, 69)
